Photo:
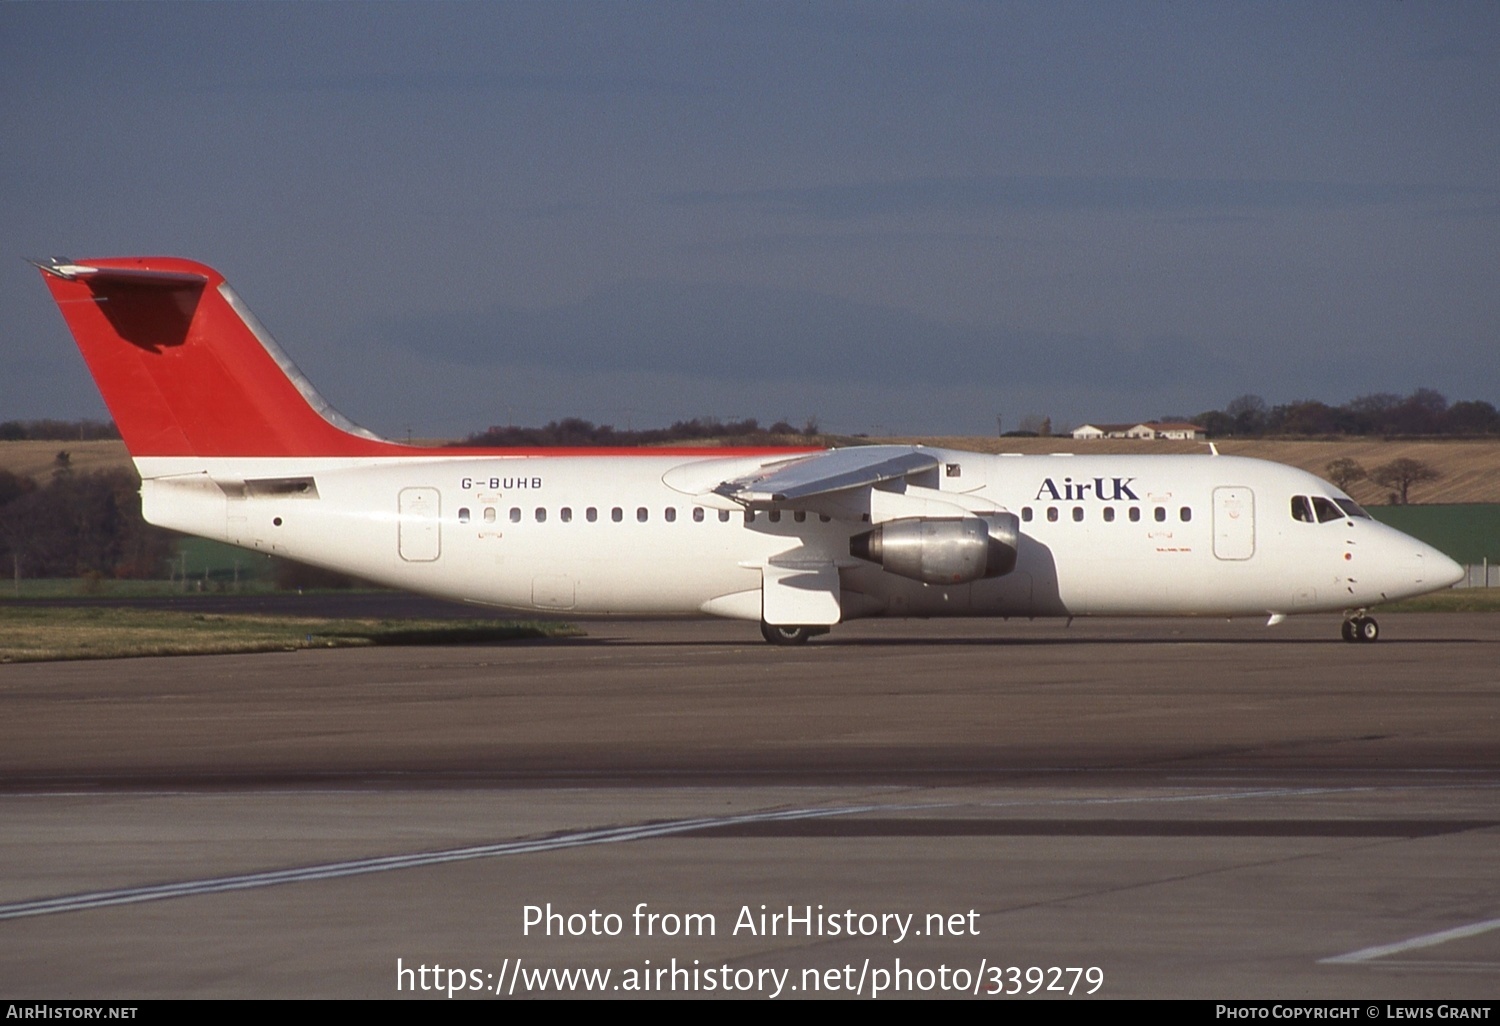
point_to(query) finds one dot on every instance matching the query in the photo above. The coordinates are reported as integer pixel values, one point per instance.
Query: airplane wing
(837, 470)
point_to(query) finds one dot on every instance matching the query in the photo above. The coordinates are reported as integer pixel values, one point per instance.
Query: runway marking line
(1426, 940)
(381, 864)
(356, 867)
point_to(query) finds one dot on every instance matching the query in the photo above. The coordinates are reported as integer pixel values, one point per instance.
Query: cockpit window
(1318, 509)
(1326, 510)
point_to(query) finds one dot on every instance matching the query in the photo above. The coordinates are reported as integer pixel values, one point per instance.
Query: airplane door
(418, 537)
(1234, 522)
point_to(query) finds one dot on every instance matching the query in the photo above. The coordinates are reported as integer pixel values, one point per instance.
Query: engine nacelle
(943, 550)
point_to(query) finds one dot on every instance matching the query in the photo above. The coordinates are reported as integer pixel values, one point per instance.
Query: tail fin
(187, 370)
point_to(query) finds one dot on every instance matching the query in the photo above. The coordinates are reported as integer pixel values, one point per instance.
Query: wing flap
(837, 470)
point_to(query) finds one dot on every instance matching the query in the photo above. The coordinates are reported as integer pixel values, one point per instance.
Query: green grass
(38, 633)
(1459, 600)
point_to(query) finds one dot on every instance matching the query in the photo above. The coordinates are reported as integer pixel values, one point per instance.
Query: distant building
(1102, 431)
(1175, 430)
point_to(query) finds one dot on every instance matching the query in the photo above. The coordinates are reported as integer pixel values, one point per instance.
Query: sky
(892, 217)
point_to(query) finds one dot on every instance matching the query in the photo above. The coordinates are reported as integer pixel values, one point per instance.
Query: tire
(1368, 629)
(783, 635)
(1350, 630)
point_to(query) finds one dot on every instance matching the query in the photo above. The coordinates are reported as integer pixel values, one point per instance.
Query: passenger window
(1026, 514)
(1135, 514)
(515, 514)
(591, 514)
(1077, 514)
(697, 514)
(1109, 514)
(1052, 514)
(541, 515)
(1161, 514)
(723, 516)
(463, 514)
(671, 514)
(824, 517)
(1301, 509)
(489, 514)
(565, 514)
(749, 516)
(800, 516)
(775, 516)
(1185, 513)
(617, 514)
(641, 514)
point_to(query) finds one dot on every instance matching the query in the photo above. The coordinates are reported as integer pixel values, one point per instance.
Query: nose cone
(1409, 567)
(1445, 572)
(1426, 569)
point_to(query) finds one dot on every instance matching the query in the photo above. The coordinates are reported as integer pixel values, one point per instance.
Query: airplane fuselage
(647, 535)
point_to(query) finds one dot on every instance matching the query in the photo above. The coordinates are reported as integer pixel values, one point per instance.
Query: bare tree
(1401, 474)
(1345, 471)
(1248, 413)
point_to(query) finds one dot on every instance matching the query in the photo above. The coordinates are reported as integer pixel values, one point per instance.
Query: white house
(1176, 430)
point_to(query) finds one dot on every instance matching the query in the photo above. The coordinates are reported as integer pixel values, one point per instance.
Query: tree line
(57, 430)
(1425, 412)
(79, 525)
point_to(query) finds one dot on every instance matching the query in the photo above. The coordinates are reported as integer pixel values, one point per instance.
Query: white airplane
(232, 443)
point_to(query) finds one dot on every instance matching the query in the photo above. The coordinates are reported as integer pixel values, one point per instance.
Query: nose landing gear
(1361, 628)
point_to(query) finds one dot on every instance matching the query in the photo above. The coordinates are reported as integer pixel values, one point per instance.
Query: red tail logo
(185, 368)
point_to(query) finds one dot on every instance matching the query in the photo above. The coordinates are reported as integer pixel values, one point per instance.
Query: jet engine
(942, 550)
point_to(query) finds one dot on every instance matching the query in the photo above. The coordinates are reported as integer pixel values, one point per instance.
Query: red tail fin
(186, 370)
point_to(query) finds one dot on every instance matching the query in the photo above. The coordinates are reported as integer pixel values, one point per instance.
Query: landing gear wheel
(1361, 628)
(782, 635)
(1350, 630)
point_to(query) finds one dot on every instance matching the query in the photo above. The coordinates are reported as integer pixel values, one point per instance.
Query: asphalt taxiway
(1193, 808)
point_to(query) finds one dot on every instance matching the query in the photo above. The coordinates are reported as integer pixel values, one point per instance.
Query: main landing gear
(789, 635)
(1361, 628)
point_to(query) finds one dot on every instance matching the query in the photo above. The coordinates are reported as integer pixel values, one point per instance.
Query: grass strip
(1458, 600)
(37, 634)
